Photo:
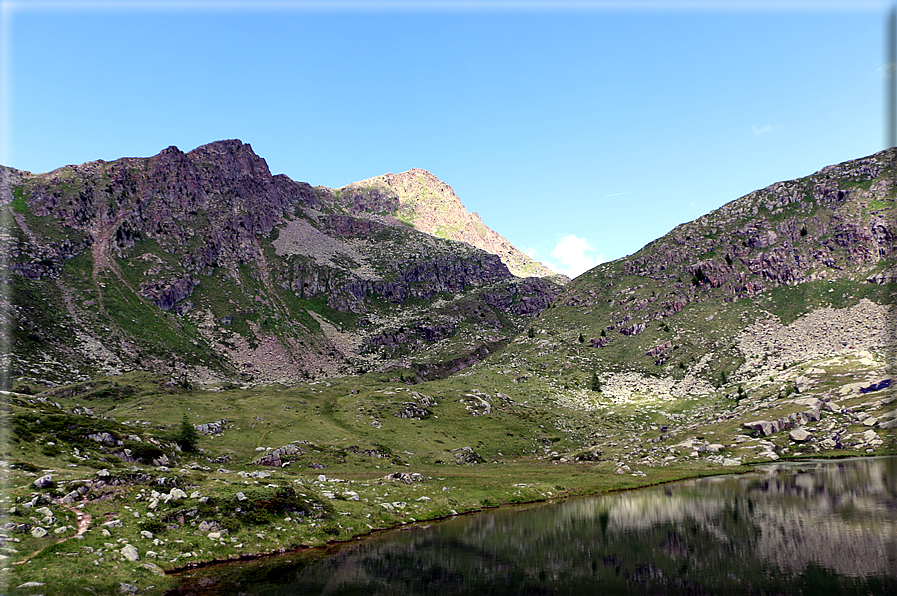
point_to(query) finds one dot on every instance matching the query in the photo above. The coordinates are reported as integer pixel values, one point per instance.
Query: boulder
(130, 553)
(799, 435)
(44, 482)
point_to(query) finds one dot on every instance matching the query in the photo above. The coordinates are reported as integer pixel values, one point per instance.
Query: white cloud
(569, 256)
(762, 130)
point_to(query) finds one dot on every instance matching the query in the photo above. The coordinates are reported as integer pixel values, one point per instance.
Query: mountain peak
(431, 206)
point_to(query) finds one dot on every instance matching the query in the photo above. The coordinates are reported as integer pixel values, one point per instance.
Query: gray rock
(241, 496)
(31, 585)
(103, 437)
(43, 482)
(799, 435)
(38, 532)
(130, 553)
(177, 493)
(71, 497)
(128, 589)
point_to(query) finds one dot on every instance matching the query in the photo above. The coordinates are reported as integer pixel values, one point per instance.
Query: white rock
(38, 532)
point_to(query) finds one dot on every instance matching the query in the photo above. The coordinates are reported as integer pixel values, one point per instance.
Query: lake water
(820, 527)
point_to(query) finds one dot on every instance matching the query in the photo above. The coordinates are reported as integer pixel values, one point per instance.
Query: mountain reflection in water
(812, 528)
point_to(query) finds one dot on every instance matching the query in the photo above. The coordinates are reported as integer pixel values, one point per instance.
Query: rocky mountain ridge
(675, 318)
(250, 266)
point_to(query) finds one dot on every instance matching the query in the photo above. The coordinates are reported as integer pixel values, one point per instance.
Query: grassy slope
(527, 443)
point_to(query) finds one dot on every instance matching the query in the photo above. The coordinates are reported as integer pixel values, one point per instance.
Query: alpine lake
(812, 527)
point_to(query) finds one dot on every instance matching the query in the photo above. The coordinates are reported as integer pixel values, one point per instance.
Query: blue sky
(580, 131)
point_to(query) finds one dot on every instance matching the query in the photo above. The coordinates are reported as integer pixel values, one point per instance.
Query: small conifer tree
(186, 437)
(596, 382)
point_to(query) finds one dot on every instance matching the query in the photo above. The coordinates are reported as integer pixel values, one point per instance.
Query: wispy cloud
(617, 194)
(571, 256)
(762, 130)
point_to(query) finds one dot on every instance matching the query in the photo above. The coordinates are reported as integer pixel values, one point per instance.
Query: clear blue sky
(610, 123)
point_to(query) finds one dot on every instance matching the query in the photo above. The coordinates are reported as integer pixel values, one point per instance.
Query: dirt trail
(84, 520)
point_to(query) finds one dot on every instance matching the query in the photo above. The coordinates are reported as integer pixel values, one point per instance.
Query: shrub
(152, 525)
(256, 517)
(144, 452)
(51, 450)
(231, 524)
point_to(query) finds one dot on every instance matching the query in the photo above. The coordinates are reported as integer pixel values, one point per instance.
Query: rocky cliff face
(422, 200)
(205, 265)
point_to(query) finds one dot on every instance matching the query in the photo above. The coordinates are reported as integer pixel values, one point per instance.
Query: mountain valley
(210, 362)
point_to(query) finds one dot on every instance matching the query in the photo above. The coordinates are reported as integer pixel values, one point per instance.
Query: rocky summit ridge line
(205, 266)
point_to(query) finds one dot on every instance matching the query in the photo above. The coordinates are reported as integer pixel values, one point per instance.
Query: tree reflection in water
(811, 528)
